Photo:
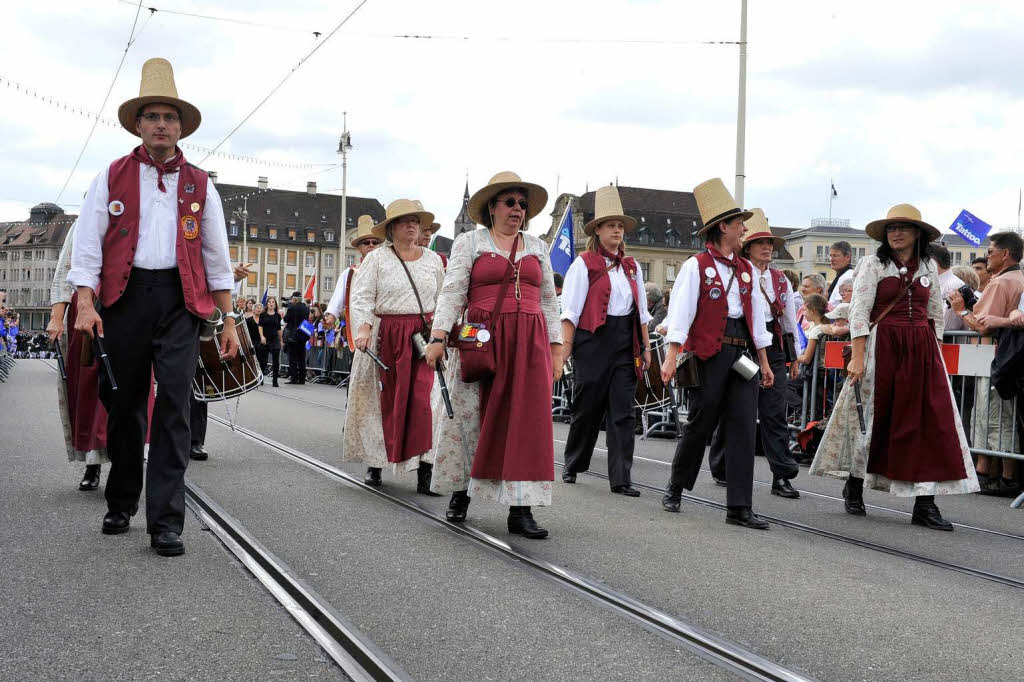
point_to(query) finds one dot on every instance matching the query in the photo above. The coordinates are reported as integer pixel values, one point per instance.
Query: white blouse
(381, 286)
(577, 284)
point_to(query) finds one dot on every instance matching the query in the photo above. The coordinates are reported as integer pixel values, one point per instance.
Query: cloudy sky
(895, 101)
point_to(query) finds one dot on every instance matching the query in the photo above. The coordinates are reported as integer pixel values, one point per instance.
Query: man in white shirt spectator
(839, 255)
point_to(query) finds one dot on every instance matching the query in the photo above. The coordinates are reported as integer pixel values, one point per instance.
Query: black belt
(735, 341)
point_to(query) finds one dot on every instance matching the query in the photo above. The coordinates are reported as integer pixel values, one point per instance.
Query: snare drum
(219, 379)
(651, 391)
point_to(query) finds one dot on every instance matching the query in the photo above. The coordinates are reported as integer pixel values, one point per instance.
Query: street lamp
(344, 144)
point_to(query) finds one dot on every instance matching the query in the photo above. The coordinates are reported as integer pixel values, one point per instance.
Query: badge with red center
(190, 227)
(115, 207)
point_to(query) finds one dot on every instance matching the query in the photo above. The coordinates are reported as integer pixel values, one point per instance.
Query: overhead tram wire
(229, 20)
(96, 121)
(286, 77)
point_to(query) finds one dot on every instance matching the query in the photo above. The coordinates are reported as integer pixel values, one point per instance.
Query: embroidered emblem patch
(709, 271)
(743, 290)
(190, 227)
(715, 294)
(925, 282)
(745, 277)
(195, 206)
(783, 297)
(190, 189)
(707, 282)
(115, 207)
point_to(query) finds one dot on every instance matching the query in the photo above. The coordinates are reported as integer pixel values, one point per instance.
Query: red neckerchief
(717, 255)
(171, 165)
(616, 259)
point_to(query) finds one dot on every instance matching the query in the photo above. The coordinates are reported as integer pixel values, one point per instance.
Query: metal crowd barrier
(7, 362)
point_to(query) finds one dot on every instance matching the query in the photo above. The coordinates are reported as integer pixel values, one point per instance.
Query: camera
(968, 295)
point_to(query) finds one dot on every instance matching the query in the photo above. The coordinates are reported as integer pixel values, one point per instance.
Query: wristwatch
(964, 313)
(435, 339)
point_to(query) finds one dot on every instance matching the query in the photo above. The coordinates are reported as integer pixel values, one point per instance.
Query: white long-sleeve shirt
(337, 302)
(682, 307)
(789, 302)
(620, 303)
(158, 231)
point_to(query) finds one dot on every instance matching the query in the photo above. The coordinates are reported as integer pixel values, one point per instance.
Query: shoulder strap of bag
(415, 291)
(508, 278)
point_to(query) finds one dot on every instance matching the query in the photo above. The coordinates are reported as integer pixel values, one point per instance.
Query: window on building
(310, 259)
(289, 282)
(291, 257)
(328, 260)
(328, 283)
(251, 279)
(272, 233)
(328, 235)
(15, 255)
(233, 253)
(350, 261)
(28, 255)
(822, 253)
(271, 256)
(670, 273)
(310, 236)
(643, 236)
(3, 255)
(272, 280)
(254, 254)
(801, 252)
(254, 231)
(671, 236)
(973, 255)
(957, 257)
(233, 229)
(291, 235)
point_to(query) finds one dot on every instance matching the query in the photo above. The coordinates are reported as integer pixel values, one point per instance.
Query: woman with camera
(509, 352)
(388, 420)
(895, 425)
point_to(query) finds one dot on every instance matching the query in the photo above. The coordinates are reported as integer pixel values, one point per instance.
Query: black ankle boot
(672, 499)
(853, 496)
(373, 477)
(926, 514)
(423, 480)
(521, 522)
(91, 479)
(458, 506)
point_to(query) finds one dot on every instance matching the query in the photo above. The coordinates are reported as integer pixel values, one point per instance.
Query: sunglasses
(898, 227)
(510, 202)
(370, 242)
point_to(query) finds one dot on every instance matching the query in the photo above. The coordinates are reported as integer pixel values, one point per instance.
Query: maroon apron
(516, 438)
(405, 388)
(913, 436)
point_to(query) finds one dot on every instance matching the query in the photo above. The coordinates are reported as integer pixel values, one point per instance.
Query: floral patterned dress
(844, 450)
(381, 287)
(456, 440)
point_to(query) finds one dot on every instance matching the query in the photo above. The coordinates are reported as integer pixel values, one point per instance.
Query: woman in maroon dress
(500, 444)
(913, 443)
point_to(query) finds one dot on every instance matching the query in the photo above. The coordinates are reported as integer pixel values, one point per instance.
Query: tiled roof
(659, 213)
(47, 224)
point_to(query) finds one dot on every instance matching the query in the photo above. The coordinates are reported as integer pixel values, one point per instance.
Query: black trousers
(197, 419)
(727, 402)
(605, 387)
(266, 353)
(149, 330)
(772, 430)
(297, 361)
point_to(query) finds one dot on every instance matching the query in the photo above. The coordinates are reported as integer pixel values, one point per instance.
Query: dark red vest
(599, 292)
(122, 237)
(708, 327)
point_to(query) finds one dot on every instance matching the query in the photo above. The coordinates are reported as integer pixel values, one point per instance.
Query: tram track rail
(709, 646)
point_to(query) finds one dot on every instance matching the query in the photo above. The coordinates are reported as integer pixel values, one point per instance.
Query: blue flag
(801, 338)
(563, 250)
(306, 328)
(971, 228)
(266, 295)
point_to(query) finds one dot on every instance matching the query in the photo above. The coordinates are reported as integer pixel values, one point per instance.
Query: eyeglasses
(370, 242)
(898, 227)
(155, 118)
(510, 202)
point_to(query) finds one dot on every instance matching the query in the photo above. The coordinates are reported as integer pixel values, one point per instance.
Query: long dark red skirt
(405, 389)
(87, 414)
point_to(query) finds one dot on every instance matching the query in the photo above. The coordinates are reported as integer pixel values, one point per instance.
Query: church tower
(463, 223)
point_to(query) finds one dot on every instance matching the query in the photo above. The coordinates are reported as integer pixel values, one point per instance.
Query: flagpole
(830, 197)
(741, 108)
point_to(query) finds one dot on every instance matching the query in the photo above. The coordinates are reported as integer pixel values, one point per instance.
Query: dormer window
(328, 235)
(268, 211)
(671, 238)
(310, 236)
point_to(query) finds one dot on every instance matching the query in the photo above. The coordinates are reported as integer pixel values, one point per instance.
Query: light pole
(244, 215)
(741, 107)
(344, 144)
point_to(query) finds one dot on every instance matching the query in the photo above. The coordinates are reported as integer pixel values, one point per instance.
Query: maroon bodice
(490, 269)
(911, 310)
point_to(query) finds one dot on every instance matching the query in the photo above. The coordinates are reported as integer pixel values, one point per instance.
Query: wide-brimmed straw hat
(758, 228)
(399, 208)
(900, 213)
(608, 206)
(716, 204)
(536, 196)
(364, 229)
(432, 228)
(157, 87)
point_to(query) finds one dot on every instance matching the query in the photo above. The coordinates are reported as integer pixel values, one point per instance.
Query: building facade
(28, 261)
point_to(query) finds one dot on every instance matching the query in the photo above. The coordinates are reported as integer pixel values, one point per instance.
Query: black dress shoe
(719, 481)
(627, 490)
(927, 514)
(91, 479)
(275, 384)
(672, 499)
(423, 474)
(742, 516)
(521, 522)
(853, 497)
(373, 477)
(783, 488)
(568, 477)
(167, 543)
(457, 507)
(116, 522)
(198, 453)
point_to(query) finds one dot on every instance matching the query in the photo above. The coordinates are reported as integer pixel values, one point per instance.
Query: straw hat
(434, 227)
(900, 213)
(758, 228)
(608, 206)
(716, 204)
(364, 229)
(157, 87)
(536, 196)
(398, 209)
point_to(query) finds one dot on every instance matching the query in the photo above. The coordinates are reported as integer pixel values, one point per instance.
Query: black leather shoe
(521, 522)
(373, 477)
(742, 516)
(627, 490)
(275, 384)
(457, 507)
(568, 476)
(672, 499)
(91, 479)
(927, 514)
(167, 543)
(853, 498)
(783, 488)
(198, 453)
(423, 474)
(719, 481)
(116, 523)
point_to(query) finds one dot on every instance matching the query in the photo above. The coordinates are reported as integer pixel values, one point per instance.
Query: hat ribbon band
(723, 216)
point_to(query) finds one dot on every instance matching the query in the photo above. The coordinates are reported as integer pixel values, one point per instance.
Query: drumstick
(860, 408)
(439, 368)
(106, 360)
(60, 360)
(373, 356)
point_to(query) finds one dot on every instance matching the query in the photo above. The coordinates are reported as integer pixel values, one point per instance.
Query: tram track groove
(709, 646)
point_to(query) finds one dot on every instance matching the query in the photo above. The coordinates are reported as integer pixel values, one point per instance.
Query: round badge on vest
(195, 206)
(190, 227)
(115, 207)
(925, 282)
(715, 294)
(710, 271)
(746, 278)
(783, 297)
